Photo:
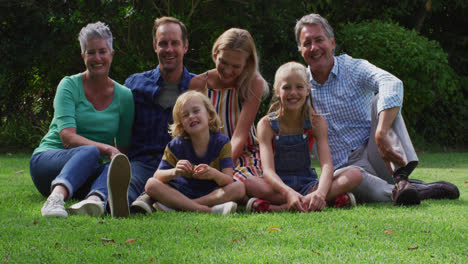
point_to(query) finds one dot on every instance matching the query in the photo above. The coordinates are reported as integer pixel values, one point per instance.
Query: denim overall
(292, 158)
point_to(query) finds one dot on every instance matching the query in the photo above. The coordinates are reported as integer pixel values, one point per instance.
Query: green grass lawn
(434, 232)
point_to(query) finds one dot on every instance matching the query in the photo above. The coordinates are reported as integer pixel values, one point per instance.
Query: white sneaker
(88, 207)
(54, 206)
(143, 204)
(161, 207)
(118, 180)
(225, 208)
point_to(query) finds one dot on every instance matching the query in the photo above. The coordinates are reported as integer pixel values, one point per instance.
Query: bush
(435, 96)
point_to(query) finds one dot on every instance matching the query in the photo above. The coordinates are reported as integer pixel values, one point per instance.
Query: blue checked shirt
(347, 99)
(150, 127)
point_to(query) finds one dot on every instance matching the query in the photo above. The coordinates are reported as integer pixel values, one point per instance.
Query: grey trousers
(377, 182)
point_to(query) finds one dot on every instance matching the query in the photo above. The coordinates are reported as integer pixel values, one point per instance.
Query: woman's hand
(110, 151)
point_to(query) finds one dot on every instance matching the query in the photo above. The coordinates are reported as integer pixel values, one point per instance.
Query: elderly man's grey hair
(95, 30)
(312, 19)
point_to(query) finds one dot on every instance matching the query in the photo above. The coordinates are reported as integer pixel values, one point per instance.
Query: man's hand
(386, 151)
(384, 144)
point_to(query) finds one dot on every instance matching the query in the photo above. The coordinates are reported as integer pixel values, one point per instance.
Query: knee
(351, 177)
(91, 151)
(152, 185)
(251, 185)
(239, 189)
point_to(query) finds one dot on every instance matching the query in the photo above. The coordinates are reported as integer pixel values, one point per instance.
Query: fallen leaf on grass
(388, 232)
(413, 248)
(426, 231)
(274, 229)
(33, 248)
(232, 229)
(20, 171)
(130, 241)
(107, 240)
(56, 244)
(151, 259)
(466, 181)
(7, 258)
(234, 240)
(313, 251)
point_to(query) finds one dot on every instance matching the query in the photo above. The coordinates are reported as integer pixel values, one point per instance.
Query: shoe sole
(249, 205)
(55, 214)
(161, 207)
(141, 207)
(408, 197)
(87, 209)
(118, 180)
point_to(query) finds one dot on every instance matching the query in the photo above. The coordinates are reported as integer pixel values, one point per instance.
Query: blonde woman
(235, 88)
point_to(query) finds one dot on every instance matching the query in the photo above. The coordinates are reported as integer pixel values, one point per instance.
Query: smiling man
(155, 93)
(367, 134)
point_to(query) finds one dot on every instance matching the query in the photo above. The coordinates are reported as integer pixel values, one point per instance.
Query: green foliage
(435, 96)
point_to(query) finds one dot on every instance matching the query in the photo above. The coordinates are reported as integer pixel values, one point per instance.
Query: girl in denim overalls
(286, 137)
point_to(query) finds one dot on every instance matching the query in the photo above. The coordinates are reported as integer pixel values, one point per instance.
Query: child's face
(230, 64)
(292, 91)
(195, 117)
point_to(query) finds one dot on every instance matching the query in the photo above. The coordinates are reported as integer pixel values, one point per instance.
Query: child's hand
(295, 201)
(315, 201)
(184, 168)
(202, 172)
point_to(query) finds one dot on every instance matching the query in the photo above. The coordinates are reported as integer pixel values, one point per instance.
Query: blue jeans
(141, 172)
(77, 169)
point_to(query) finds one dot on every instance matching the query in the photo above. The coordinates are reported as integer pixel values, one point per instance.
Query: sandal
(256, 205)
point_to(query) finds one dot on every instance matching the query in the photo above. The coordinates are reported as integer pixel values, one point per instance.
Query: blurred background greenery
(422, 42)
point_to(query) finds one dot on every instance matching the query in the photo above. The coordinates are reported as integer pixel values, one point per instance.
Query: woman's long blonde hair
(281, 73)
(240, 40)
(176, 129)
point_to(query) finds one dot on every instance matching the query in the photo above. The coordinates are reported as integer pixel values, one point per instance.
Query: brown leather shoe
(435, 190)
(404, 193)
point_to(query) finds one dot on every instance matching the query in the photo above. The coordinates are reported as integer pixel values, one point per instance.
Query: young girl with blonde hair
(286, 137)
(195, 173)
(235, 88)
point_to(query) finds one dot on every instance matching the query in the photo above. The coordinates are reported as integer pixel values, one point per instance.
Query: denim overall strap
(307, 125)
(274, 122)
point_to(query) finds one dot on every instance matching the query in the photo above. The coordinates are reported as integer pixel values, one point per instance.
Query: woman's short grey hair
(312, 19)
(92, 31)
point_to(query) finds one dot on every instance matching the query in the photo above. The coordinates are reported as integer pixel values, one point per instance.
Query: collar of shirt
(183, 84)
(333, 73)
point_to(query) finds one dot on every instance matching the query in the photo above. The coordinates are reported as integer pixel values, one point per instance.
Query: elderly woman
(92, 120)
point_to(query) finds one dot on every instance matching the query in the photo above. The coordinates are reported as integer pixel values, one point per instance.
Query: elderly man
(367, 134)
(155, 93)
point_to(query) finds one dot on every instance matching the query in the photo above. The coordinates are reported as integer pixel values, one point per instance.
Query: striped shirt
(228, 106)
(347, 99)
